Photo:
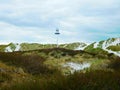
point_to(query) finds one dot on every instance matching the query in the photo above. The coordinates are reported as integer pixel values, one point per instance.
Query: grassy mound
(42, 70)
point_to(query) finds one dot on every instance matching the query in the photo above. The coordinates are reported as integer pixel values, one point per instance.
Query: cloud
(36, 20)
(11, 33)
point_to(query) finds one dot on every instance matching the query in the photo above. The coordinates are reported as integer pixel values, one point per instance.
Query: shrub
(115, 64)
(4, 77)
(94, 80)
(30, 63)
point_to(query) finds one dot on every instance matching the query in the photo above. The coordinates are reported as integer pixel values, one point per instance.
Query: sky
(35, 21)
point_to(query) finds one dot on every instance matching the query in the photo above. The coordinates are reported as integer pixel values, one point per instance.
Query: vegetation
(30, 63)
(100, 44)
(100, 52)
(2, 47)
(94, 80)
(42, 70)
(111, 40)
(12, 46)
(72, 46)
(36, 46)
(115, 64)
(114, 48)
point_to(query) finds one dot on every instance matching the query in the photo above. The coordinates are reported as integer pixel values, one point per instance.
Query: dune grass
(31, 71)
(114, 48)
(94, 80)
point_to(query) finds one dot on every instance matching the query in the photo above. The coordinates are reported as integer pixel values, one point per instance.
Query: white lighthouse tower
(57, 33)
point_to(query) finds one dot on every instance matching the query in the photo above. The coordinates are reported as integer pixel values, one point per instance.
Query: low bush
(115, 64)
(4, 77)
(94, 80)
(30, 63)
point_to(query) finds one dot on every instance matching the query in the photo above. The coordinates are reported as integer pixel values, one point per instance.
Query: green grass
(99, 64)
(2, 48)
(12, 46)
(100, 44)
(111, 40)
(71, 46)
(114, 48)
(37, 46)
(100, 52)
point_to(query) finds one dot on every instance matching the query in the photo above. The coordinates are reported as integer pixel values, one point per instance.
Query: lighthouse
(57, 33)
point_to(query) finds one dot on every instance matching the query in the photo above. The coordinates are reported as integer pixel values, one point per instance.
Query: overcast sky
(78, 20)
